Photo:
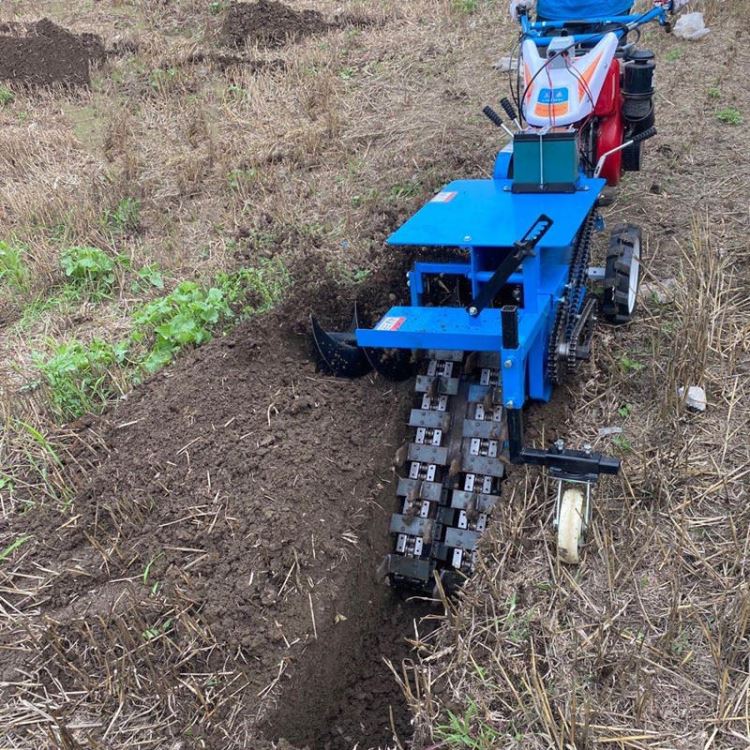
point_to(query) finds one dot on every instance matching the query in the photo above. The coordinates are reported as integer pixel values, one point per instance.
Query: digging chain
(455, 468)
(574, 321)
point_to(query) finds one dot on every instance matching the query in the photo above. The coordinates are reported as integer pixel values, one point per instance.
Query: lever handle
(508, 107)
(493, 116)
(646, 134)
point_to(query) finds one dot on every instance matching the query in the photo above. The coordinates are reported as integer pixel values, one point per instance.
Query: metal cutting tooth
(442, 403)
(437, 436)
(479, 413)
(432, 368)
(414, 470)
(424, 511)
(421, 432)
(431, 469)
(482, 522)
(492, 449)
(458, 555)
(418, 544)
(476, 444)
(401, 543)
(463, 520)
(487, 485)
(485, 377)
(426, 401)
(469, 483)
(448, 369)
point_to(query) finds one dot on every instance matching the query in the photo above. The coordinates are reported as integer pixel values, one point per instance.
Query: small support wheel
(570, 526)
(622, 274)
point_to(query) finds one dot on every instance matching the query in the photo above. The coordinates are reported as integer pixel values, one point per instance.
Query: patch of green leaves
(154, 632)
(466, 6)
(80, 376)
(89, 270)
(147, 278)
(255, 290)
(239, 179)
(125, 218)
(622, 443)
(673, 55)
(216, 7)
(14, 274)
(182, 318)
(468, 731)
(729, 116)
(628, 365)
(714, 92)
(6, 96)
(625, 410)
(405, 190)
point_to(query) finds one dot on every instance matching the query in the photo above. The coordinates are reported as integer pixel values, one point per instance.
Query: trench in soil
(343, 694)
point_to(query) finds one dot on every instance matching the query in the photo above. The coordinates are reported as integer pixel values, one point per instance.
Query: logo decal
(444, 196)
(390, 323)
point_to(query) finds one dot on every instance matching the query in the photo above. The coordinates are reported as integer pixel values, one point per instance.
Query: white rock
(696, 397)
(506, 63)
(607, 431)
(663, 291)
(691, 27)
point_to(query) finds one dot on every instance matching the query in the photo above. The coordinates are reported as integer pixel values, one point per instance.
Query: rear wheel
(570, 526)
(622, 275)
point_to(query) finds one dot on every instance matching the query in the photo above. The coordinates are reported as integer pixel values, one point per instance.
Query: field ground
(189, 533)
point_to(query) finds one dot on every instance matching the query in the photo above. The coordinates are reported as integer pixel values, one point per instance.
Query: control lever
(648, 133)
(510, 111)
(495, 119)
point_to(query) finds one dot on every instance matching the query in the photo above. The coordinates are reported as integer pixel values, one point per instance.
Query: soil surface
(43, 54)
(222, 549)
(268, 23)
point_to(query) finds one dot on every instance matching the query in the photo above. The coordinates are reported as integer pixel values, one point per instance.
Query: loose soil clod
(43, 54)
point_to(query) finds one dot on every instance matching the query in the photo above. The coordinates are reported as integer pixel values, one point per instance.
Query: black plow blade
(337, 352)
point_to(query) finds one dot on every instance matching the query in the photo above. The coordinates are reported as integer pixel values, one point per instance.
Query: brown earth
(43, 54)
(268, 23)
(221, 555)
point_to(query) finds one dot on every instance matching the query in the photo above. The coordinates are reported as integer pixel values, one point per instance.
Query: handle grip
(493, 116)
(508, 107)
(645, 135)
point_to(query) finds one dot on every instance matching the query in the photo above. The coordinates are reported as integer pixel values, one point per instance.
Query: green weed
(79, 376)
(468, 731)
(406, 190)
(150, 633)
(182, 318)
(13, 270)
(125, 218)
(625, 410)
(466, 6)
(148, 277)
(673, 55)
(216, 7)
(714, 92)
(6, 96)
(90, 271)
(729, 116)
(622, 443)
(13, 546)
(630, 365)
(255, 290)
(241, 178)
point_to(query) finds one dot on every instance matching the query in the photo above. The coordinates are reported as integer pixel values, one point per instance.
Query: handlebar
(539, 31)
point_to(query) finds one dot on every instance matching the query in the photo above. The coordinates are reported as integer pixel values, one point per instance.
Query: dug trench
(215, 559)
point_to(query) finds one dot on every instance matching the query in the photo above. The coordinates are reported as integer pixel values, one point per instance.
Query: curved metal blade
(338, 352)
(393, 364)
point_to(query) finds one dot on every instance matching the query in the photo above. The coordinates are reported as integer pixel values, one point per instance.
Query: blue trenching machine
(523, 296)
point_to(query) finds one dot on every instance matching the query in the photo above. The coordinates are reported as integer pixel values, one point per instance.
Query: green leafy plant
(714, 92)
(255, 290)
(90, 271)
(182, 318)
(148, 277)
(622, 443)
(6, 96)
(673, 55)
(125, 218)
(80, 376)
(13, 270)
(625, 410)
(216, 7)
(729, 116)
(154, 632)
(163, 80)
(241, 178)
(629, 365)
(466, 6)
(468, 731)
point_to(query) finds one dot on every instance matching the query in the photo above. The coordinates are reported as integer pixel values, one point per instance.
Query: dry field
(191, 515)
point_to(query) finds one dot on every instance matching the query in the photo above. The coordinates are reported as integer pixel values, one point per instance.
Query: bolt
(560, 445)
(508, 364)
(587, 449)
(473, 311)
(467, 238)
(509, 403)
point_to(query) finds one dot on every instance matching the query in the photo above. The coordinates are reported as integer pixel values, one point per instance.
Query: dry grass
(642, 646)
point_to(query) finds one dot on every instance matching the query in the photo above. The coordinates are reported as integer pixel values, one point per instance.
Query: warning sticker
(444, 196)
(390, 323)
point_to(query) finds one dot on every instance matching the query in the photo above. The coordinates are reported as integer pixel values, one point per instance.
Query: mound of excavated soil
(42, 54)
(218, 555)
(268, 23)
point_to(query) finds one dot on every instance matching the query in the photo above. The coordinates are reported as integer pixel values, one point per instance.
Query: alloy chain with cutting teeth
(455, 468)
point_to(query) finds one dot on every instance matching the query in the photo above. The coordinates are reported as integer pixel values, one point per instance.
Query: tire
(570, 527)
(622, 275)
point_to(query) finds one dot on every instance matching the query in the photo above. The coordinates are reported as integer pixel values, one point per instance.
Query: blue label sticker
(553, 96)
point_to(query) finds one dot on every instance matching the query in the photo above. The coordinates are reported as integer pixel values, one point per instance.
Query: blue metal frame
(484, 219)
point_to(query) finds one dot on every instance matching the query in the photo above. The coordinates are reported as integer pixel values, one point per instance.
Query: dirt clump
(43, 54)
(269, 23)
